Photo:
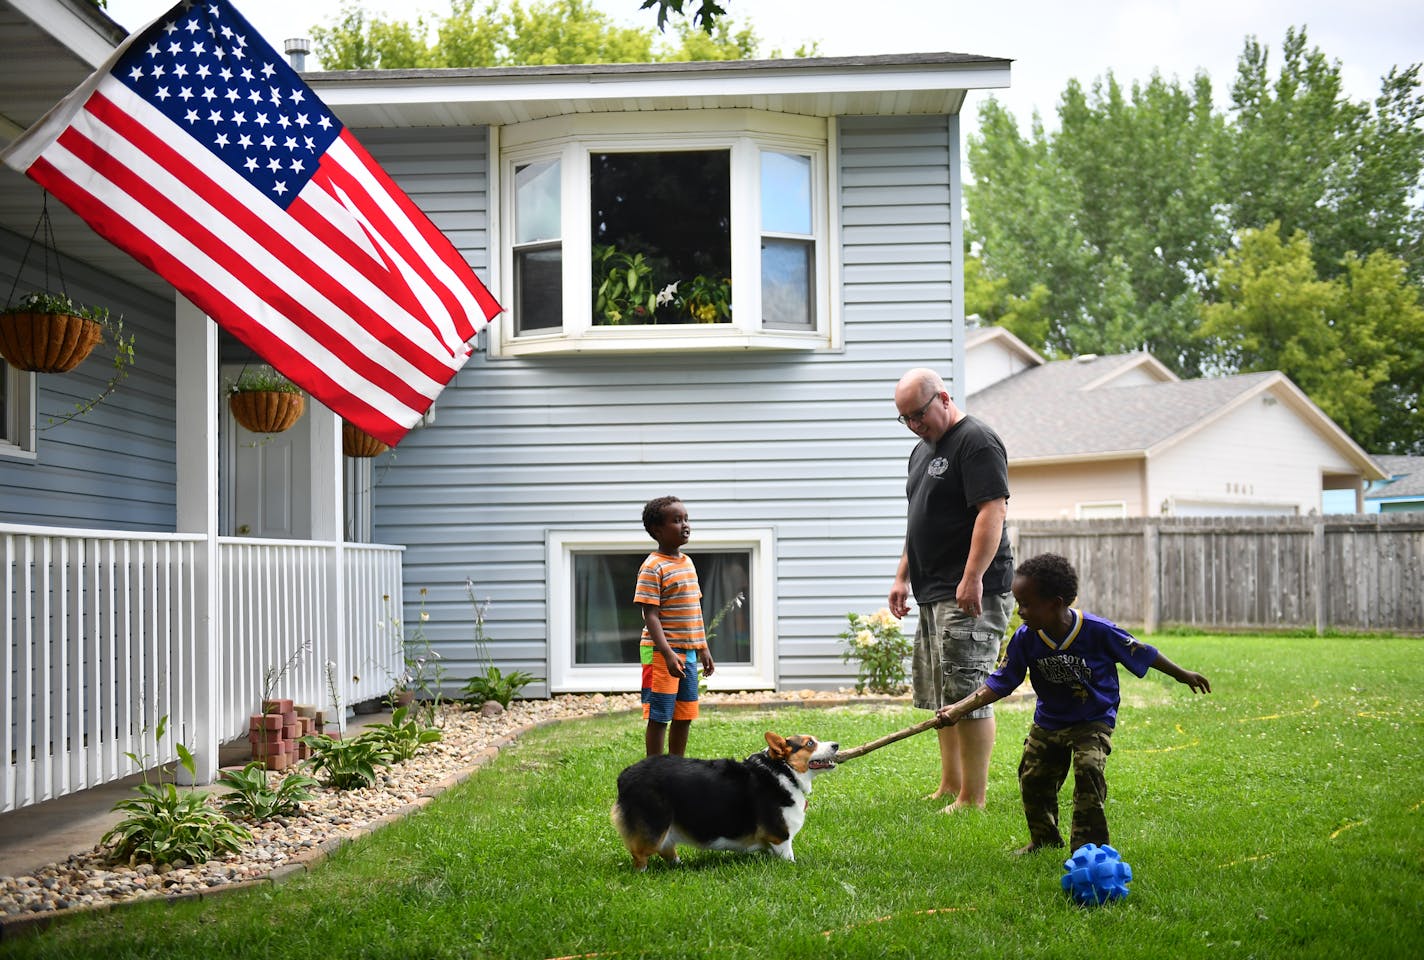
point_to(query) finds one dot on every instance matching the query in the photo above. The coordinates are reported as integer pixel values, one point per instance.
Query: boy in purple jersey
(1072, 658)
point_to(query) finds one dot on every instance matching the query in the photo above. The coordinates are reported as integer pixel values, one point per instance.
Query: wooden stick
(865, 748)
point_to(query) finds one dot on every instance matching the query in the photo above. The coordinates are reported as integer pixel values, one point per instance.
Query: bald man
(958, 566)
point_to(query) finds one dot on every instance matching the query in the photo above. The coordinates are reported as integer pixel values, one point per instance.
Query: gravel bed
(91, 880)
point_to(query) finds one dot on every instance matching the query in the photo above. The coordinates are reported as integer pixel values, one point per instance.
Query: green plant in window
(708, 299)
(625, 292)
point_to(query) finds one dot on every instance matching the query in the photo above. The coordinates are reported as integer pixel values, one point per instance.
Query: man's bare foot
(940, 794)
(957, 807)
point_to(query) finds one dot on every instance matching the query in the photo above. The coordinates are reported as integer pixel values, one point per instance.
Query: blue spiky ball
(1095, 874)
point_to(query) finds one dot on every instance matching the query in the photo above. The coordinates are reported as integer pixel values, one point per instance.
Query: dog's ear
(777, 746)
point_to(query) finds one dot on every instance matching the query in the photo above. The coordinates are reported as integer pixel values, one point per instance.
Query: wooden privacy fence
(1349, 572)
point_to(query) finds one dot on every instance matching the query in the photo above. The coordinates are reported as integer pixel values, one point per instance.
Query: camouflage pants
(1044, 767)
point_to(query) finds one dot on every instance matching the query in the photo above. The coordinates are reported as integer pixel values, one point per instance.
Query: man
(957, 563)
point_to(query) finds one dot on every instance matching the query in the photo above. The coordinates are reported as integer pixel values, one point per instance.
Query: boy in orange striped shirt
(673, 638)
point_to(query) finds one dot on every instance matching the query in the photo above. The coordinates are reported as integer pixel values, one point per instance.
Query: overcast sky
(1049, 41)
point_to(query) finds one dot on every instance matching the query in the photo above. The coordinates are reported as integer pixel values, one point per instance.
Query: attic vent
(1086, 358)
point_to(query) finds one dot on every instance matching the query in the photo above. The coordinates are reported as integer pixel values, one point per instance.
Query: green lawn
(1281, 816)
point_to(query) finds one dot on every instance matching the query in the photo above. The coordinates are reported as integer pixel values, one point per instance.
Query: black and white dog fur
(755, 804)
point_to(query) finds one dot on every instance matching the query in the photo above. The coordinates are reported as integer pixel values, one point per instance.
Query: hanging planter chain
(46, 244)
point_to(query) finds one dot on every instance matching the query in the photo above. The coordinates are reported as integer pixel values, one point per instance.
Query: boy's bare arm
(652, 619)
(1191, 678)
(955, 712)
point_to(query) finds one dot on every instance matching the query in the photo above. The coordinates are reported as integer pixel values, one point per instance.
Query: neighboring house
(1122, 436)
(827, 190)
(1400, 490)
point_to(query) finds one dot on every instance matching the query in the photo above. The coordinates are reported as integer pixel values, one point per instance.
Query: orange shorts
(666, 697)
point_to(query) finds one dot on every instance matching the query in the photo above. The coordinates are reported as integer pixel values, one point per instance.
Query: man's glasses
(918, 415)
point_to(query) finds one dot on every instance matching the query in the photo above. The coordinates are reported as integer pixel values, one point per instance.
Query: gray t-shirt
(946, 483)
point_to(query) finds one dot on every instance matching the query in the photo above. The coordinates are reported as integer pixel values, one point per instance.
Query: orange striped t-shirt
(670, 584)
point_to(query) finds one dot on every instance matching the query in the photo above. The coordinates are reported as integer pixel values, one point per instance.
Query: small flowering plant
(880, 650)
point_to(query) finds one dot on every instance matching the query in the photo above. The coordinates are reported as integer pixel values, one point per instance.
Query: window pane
(722, 576)
(786, 274)
(659, 219)
(536, 214)
(608, 625)
(785, 193)
(539, 286)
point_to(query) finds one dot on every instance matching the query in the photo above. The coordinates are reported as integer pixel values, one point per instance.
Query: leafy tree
(1109, 215)
(1304, 155)
(989, 300)
(543, 32)
(1354, 343)
(359, 41)
(1116, 232)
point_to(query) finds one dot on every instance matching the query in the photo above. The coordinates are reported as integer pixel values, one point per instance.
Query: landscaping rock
(332, 817)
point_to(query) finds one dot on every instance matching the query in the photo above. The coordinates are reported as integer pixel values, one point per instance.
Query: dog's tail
(615, 816)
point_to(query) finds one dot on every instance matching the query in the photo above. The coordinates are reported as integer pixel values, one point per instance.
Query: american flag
(199, 151)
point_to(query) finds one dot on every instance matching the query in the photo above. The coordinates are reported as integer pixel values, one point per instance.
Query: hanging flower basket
(47, 342)
(266, 411)
(356, 442)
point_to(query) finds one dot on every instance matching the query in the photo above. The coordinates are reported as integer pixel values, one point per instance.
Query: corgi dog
(753, 804)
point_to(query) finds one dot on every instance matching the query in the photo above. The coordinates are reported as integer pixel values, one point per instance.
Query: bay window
(628, 232)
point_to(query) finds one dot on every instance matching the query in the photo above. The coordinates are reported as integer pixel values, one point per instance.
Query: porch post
(196, 357)
(327, 500)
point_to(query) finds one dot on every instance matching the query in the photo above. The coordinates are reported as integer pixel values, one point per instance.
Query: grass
(1281, 816)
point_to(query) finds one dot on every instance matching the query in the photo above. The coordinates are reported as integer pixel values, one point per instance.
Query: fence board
(1357, 572)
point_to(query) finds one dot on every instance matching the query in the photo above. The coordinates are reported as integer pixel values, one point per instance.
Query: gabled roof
(1067, 411)
(1409, 474)
(983, 336)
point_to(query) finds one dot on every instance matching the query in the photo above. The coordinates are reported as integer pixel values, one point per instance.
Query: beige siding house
(1122, 436)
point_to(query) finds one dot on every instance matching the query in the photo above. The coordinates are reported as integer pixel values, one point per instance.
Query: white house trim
(567, 677)
(744, 134)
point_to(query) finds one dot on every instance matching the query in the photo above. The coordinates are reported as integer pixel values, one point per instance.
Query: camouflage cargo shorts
(954, 652)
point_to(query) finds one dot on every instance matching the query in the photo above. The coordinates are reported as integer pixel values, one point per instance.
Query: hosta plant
(347, 764)
(255, 796)
(164, 826)
(403, 737)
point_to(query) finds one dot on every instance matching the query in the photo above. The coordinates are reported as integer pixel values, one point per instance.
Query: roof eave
(937, 82)
(1065, 458)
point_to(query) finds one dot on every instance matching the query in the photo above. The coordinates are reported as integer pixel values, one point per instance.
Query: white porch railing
(98, 633)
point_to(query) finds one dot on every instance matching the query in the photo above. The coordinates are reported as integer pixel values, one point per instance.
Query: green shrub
(253, 796)
(346, 764)
(497, 686)
(880, 651)
(164, 826)
(403, 737)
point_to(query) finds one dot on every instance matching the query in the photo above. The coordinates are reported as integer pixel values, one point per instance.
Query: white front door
(267, 493)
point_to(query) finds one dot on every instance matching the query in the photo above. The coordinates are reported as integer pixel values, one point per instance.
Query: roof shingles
(1044, 412)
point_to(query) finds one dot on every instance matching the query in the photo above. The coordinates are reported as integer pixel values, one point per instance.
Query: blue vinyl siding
(804, 443)
(112, 468)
